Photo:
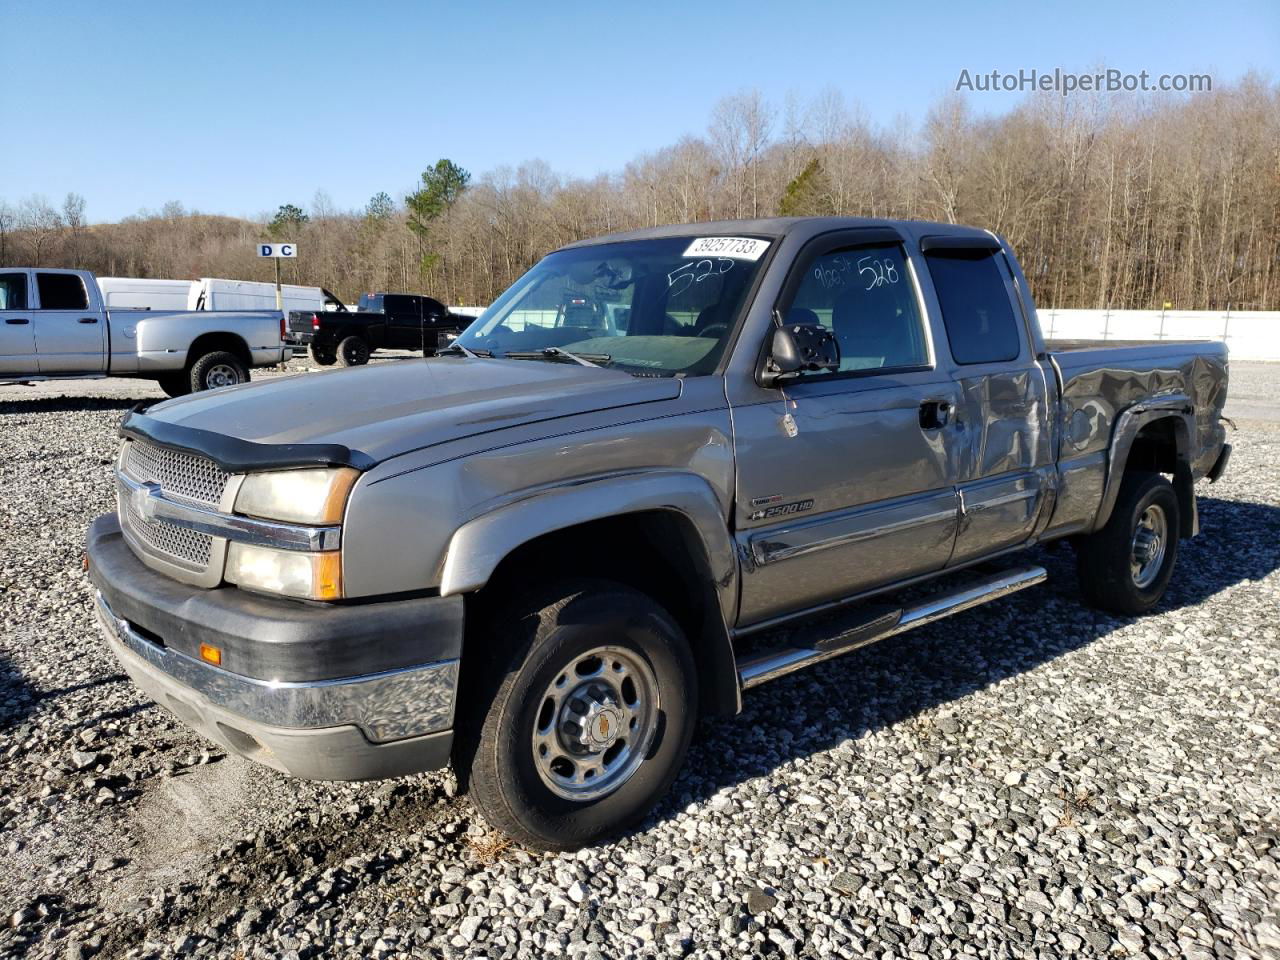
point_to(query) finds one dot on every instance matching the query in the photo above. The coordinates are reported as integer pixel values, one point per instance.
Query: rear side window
(400, 305)
(13, 291)
(976, 308)
(62, 291)
(370, 302)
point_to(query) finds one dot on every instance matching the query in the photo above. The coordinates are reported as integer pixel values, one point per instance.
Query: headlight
(290, 573)
(297, 496)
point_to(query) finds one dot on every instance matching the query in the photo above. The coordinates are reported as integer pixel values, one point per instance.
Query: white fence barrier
(1250, 334)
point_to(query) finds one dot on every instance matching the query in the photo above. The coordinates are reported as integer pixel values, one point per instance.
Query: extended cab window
(975, 304)
(61, 291)
(865, 296)
(13, 291)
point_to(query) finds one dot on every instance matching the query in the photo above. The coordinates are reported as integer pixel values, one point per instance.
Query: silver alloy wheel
(221, 375)
(1150, 541)
(595, 724)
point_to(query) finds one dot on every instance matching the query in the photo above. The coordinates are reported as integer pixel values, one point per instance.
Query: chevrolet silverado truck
(54, 325)
(541, 555)
(391, 321)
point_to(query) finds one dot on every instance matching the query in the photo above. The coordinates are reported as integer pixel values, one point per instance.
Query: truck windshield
(663, 307)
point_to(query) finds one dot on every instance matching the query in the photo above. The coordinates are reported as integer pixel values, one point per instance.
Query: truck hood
(386, 409)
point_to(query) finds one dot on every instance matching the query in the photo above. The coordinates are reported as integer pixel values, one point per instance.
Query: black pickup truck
(392, 321)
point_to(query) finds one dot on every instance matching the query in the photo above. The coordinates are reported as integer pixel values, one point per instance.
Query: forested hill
(1109, 202)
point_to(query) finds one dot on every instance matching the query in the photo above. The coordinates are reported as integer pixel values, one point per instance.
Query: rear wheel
(583, 716)
(353, 352)
(175, 384)
(1125, 567)
(321, 356)
(216, 370)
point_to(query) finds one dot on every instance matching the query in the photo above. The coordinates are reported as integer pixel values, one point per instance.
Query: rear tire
(175, 384)
(1125, 567)
(353, 352)
(582, 715)
(216, 370)
(321, 356)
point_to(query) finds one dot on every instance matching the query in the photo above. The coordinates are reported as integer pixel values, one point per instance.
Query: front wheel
(584, 719)
(1125, 567)
(216, 370)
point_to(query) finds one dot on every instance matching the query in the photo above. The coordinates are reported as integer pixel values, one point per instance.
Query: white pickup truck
(54, 325)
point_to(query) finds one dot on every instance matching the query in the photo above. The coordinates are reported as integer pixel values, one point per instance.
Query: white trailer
(138, 293)
(212, 293)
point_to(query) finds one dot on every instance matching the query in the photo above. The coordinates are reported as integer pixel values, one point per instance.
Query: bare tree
(73, 216)
(1118, 202)
(41, 226)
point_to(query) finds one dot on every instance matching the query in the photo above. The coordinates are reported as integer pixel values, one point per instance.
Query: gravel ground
(1028, 779)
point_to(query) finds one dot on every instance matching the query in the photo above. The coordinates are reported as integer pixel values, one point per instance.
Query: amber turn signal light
(210, 654)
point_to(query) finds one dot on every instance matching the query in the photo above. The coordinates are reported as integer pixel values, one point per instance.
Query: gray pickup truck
(540, 555)
(55, 325)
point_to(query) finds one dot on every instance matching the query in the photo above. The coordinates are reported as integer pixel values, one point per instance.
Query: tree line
(1109, 200)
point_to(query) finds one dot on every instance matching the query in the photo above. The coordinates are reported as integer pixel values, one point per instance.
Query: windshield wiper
(465, 351)
(555, 353)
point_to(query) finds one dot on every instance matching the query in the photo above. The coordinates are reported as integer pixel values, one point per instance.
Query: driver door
(17, 332)
(846, 479)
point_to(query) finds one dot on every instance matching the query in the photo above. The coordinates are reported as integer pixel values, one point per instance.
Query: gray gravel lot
(1028, 779)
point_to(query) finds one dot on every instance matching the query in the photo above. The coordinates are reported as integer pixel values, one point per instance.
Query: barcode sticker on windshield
(736, 248)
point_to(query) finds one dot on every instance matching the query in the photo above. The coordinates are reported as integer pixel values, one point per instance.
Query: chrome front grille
(178, 543)
(183, 475)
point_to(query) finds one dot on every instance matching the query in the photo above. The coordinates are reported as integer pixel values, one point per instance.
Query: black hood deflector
(241, 456)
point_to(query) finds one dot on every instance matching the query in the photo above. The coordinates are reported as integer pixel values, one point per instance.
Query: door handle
(88, 320)
(16, 321)
(934, 414)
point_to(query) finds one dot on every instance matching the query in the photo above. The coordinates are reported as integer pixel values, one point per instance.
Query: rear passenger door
(404, 322)
(1005, 458)
(17, 332)
(845, 479)
(70, 337)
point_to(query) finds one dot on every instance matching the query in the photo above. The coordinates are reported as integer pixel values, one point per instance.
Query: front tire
(353, 352)
(1125, 567)
(216, 370)
(583, 716)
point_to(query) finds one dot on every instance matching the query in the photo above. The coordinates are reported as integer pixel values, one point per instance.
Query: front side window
(865, 296)
(13, 291)
(975, 305)
(663, 307)
(61, 291)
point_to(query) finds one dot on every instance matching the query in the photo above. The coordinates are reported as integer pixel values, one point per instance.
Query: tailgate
(300, 321)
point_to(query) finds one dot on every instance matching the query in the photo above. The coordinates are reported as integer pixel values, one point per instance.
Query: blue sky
(238, 107)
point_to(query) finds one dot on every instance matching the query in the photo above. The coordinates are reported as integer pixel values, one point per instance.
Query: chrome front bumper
(354, 728)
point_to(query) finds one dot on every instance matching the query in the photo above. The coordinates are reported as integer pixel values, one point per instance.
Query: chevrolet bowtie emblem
(144, 500)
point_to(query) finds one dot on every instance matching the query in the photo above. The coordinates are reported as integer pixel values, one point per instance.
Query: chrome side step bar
(771, 664)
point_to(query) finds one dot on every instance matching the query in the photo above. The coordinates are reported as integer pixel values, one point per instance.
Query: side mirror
(799, 347)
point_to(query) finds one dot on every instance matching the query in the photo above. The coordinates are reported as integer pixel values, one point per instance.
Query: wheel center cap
(600, 727)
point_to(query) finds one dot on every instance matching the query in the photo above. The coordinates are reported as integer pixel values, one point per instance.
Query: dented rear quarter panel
(1099, 383)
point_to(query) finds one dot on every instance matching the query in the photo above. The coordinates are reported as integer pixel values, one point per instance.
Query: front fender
(478, 546)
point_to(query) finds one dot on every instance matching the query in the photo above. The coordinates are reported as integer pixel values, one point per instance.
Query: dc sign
(286, 250)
